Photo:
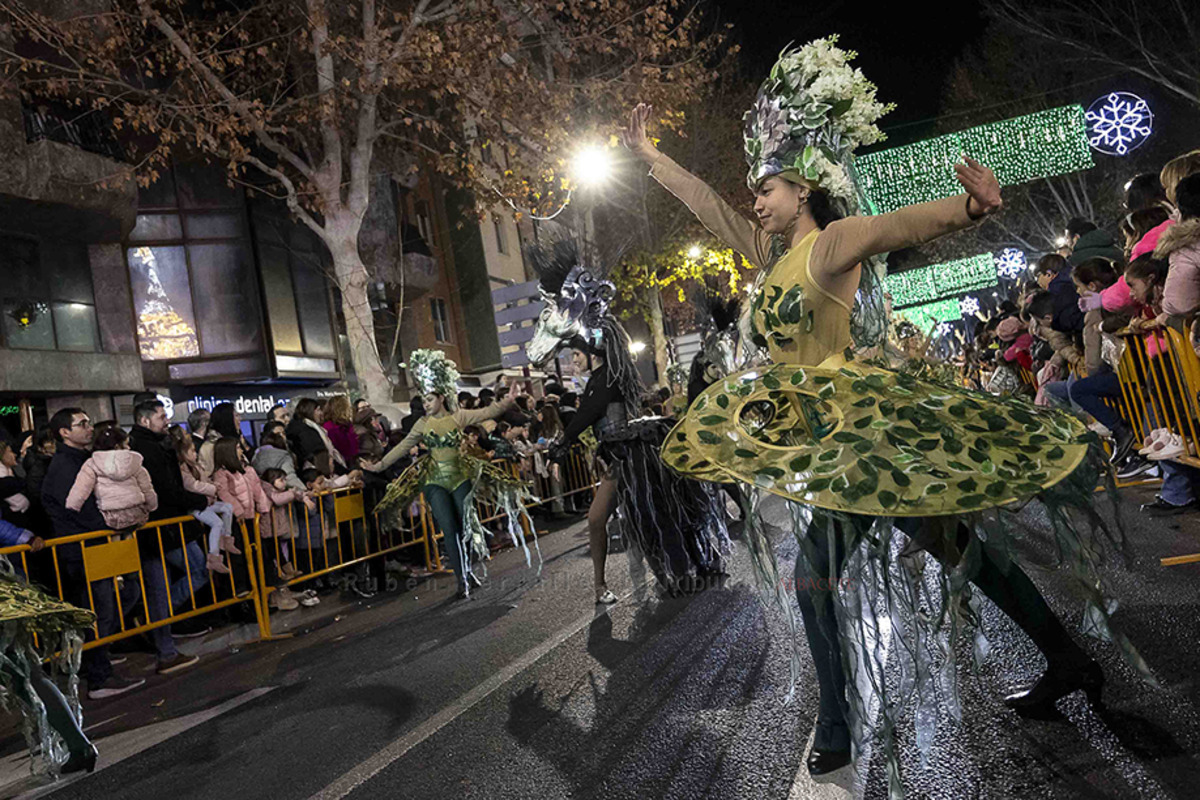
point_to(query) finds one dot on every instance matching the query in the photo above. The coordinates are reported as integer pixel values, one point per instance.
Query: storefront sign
(9, 411)
(248, 404)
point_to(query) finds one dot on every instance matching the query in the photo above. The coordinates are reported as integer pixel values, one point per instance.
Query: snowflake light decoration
(1119, 123)
(1011, 263)
(969, 305)
(944, 328)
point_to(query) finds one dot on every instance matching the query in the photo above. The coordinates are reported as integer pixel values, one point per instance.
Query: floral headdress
(432, 372)
(811, 113)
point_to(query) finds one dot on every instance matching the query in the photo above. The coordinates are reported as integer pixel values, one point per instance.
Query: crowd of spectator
(1071, 326)
(76, 476)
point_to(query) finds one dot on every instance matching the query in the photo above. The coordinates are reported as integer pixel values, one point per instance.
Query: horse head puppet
(576, 301)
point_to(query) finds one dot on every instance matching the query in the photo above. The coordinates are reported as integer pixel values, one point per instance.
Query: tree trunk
(658, 339)
(351, 276)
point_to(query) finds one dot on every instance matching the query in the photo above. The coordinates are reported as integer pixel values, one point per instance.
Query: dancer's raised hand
(982, 186)
(634, 135)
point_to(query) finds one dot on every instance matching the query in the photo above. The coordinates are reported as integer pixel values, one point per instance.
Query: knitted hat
(1009, 329)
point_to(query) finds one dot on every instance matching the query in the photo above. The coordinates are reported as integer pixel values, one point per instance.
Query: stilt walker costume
(36, 626)
(676, 524)
(452, 480)
(862, 451)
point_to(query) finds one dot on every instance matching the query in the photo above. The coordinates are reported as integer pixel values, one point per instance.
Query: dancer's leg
(445, 514)
(1010, 589)
(603, 505)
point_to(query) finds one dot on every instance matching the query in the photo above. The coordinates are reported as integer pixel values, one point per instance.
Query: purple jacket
(345, 440)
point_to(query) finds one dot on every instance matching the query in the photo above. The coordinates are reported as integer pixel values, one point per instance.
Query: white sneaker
(1155, 436)
(1173, 446)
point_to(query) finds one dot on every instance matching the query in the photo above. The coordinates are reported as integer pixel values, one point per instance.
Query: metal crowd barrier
(351, 535)
(109, 572)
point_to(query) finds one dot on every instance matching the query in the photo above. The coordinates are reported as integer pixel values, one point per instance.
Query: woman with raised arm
(852, 444)
(449, 478)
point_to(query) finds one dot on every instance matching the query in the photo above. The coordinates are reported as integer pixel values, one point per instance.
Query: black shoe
(81, 762)
(1135, 466)
(831, 748)
(463, 594)
(1161, 508)
(1123, 440)
(1038, 702)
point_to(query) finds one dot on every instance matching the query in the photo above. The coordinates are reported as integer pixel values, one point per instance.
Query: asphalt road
(527, 692)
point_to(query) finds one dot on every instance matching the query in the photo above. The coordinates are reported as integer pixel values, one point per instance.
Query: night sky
(905, 48)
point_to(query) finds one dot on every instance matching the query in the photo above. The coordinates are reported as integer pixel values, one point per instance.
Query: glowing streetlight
(636, 347)
(592, 166)
(1061, 241)
(694, 251)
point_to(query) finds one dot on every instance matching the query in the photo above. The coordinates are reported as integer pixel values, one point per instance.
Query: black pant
(1009, 588)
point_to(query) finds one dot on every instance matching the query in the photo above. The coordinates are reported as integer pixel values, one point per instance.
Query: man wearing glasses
(73, 430)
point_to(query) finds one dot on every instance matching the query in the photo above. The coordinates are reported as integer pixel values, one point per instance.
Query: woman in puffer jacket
(124, 493)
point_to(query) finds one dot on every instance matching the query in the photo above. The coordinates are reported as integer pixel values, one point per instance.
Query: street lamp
(636, 347)
(592, 166)
(694, 251)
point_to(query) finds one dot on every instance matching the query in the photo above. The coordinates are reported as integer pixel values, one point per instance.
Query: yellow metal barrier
(109, 575)
(340, 534)
(112, 570)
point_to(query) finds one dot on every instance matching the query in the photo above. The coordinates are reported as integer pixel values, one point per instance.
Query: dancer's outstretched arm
(848, 242)
(714, 213)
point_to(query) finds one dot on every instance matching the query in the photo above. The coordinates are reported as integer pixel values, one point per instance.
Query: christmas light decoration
(942, 280)
(1119, 123)
(926, 316)
(1011, 263)
(969, 305)
(1041, 145)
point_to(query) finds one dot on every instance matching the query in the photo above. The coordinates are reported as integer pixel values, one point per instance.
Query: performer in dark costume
(676, 524)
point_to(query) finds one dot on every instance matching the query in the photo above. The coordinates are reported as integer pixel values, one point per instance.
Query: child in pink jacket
(218, 516)
(277, 523)
(237, 482)
(124, 493)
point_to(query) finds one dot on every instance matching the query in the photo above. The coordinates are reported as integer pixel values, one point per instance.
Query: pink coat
(277, 521)
(194, 484)
(1147, 243)
(1181, 247)
(124, 492)
(243, 491)
(1117, 297)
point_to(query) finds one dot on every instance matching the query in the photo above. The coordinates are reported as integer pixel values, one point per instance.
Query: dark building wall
(474, 287)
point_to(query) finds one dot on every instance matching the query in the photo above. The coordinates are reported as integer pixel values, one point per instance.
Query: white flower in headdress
(811, 113)
(432, 371)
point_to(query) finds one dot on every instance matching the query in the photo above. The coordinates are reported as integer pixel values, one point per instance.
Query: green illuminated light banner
(1040, 145)
(928, 315)
(942, 280)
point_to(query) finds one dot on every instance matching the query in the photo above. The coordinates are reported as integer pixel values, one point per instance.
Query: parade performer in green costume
(861, 450)
(450, 479)
(34, 627)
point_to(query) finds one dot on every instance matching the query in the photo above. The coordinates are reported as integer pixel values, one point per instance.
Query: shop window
(193, 278)
(162, 303)
(41, 302)
(441, 319)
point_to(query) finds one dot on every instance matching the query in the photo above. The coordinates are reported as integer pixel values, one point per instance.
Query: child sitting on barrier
(124, 493)
(218, 517)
